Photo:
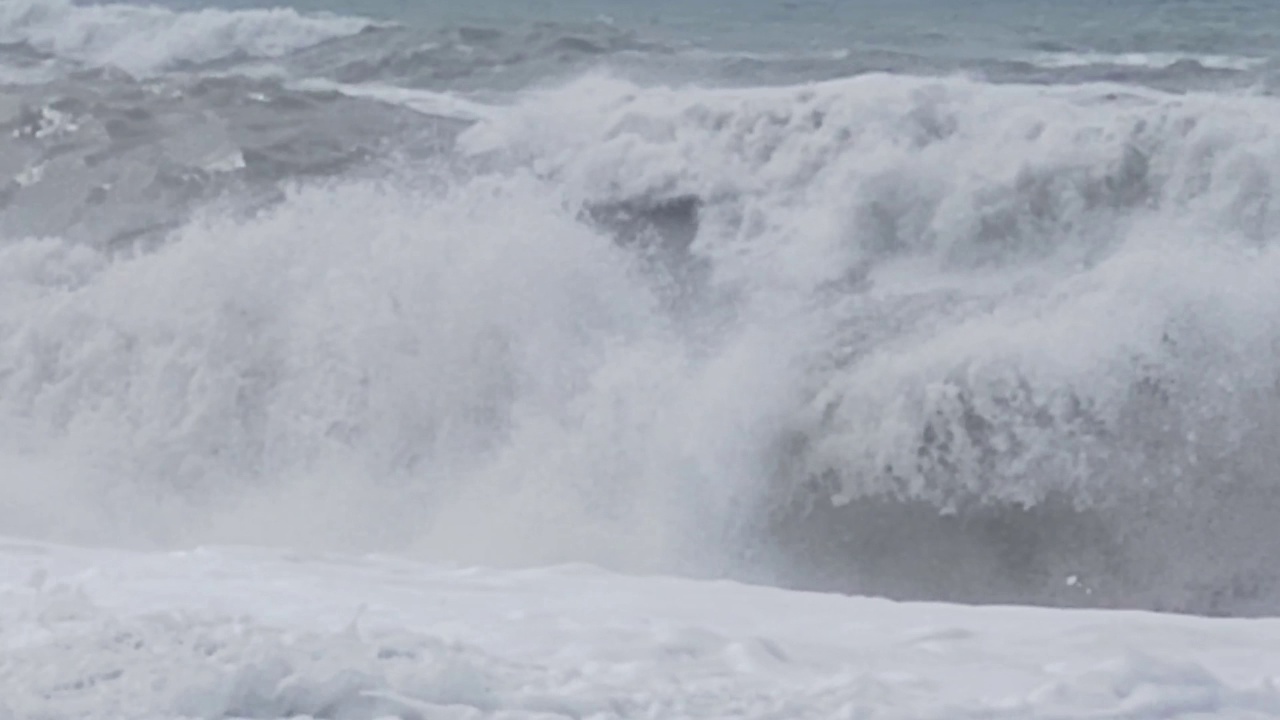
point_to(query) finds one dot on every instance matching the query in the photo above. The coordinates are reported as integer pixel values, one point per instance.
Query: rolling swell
(930, 338)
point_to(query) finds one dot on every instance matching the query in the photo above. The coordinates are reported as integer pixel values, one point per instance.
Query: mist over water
(526, 295)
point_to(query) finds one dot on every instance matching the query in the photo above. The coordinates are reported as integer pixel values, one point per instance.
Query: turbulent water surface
(965, 301)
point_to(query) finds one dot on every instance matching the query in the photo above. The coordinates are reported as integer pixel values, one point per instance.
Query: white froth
(219, 633)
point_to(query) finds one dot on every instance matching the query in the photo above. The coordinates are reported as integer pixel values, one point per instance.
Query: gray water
(968, 302)
(981, 28)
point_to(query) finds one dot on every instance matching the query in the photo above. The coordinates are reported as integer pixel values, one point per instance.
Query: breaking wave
(1043, 311)
(930, 338)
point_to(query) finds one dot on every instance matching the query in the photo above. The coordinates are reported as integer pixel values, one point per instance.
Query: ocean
(959, 301)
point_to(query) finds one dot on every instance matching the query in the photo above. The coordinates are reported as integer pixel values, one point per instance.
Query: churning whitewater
(930, 326)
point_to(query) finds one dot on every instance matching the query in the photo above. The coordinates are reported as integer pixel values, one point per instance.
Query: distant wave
(974, 229)
(475, 56)
(1147, 60)
(145, 40)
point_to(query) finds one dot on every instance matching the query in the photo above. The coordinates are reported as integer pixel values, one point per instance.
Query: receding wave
(101, 158)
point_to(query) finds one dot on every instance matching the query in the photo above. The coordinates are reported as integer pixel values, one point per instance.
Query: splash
(928, 338)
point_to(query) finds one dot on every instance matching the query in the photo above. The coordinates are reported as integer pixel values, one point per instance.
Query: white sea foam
(219, 633)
